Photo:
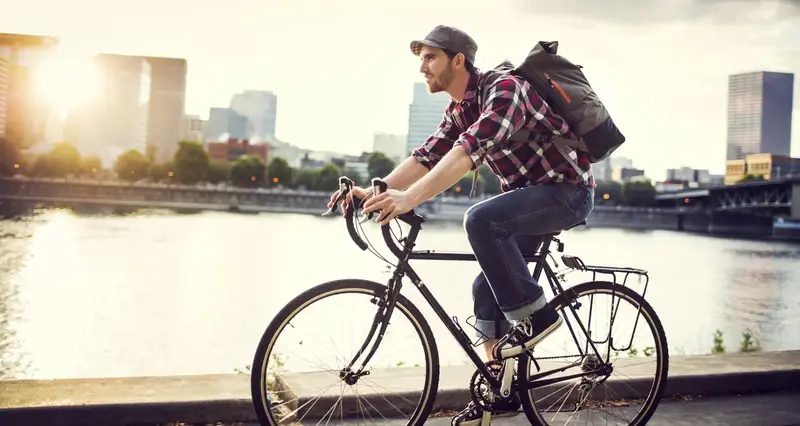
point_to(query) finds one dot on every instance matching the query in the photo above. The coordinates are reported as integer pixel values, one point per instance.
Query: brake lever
(344, 188)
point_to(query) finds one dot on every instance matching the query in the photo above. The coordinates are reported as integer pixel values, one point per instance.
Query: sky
(342, 69)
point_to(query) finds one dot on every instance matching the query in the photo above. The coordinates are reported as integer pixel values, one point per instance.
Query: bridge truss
(753, 197)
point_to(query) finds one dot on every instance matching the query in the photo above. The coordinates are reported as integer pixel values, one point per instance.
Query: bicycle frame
(403, 268)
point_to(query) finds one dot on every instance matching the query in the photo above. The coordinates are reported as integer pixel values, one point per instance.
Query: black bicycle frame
(407, 253)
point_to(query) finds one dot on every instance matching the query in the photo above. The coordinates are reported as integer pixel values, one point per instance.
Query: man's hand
(359, 193)
(392, 202)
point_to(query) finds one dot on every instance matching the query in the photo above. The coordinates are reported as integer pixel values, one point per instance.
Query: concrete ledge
(211, 398)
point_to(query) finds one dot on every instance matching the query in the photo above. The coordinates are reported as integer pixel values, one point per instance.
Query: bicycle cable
(363, 234)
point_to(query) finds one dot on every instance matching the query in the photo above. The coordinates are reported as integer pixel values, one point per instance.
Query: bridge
(686, 211)
(118, 195)
(759, 198)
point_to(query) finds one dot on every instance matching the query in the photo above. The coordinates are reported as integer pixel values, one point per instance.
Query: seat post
(537, 271)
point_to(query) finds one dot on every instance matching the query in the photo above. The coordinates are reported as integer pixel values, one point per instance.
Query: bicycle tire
(662, 368)
(403, 306)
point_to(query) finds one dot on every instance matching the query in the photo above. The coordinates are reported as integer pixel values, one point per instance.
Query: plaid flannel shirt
(509, 104)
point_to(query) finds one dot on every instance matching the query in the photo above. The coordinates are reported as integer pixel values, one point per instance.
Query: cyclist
(544, 190)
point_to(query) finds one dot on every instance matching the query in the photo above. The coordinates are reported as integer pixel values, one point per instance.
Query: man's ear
(459, 60)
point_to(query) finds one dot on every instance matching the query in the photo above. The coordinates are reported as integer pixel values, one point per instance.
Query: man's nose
(422, 68)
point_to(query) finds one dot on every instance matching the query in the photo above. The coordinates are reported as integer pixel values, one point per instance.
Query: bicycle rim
(626, 395)
(386, 392)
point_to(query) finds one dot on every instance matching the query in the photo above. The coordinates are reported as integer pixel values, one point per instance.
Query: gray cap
(453, 39)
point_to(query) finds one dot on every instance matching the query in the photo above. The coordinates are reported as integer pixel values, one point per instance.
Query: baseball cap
(450, 38)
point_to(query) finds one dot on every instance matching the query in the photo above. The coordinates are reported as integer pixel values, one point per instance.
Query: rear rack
(575, 263)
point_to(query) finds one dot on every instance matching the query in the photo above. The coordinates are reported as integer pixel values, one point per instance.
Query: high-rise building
(224, 124)
(424, 115)
(759, 114)
(260, 108)
(193, 128)
(5, 68)
(167, 105)
(23, 114)
(117, 119)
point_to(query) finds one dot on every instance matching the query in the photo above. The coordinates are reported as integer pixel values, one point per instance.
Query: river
(160, 293)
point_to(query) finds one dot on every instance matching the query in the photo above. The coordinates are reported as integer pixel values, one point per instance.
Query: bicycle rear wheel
(634, 366)
(282, 389)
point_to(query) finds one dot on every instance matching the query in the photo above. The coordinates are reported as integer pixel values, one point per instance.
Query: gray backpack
(564, 87)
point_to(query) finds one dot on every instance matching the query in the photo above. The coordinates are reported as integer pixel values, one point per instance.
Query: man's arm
(425, 157)
(408, 172)
(502, 115)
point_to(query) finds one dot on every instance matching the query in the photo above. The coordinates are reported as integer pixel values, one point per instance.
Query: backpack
(567, 91)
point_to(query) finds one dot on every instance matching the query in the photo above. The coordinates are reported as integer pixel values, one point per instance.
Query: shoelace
(525, 326)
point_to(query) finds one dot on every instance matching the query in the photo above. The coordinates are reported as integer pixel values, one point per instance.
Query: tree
(63, 160)
(132, 165)
(10, 158)
(379, 165)
(357, 177)
(304, 179)
(219, 171)
(90, 166)
(608, 192)
(191, 162)
(327, 178)
(751, 178)
(280, 173)
(638, 193)
(248, 171)
(161, 172)
(488, 183)
(462, 187)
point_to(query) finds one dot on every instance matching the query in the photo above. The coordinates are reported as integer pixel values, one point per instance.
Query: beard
(441, 82)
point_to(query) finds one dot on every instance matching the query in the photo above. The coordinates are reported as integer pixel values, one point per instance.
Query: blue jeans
(504, 227)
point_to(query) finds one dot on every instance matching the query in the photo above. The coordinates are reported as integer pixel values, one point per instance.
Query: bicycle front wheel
(302, 367)
(611, 332)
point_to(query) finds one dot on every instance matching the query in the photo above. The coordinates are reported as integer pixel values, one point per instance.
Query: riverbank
(213, 398)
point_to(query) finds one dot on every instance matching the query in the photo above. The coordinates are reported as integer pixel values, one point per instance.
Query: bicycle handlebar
(378, 186)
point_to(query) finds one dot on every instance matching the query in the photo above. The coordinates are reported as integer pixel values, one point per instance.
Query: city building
(393, 146)
(117, 120)
(605, 169)
(5, 71)
(260, 108)
(689, 175)
(167, 105)
(424, 115)
(762, 166)
(759, 114)
(232, 149)
(23, 114)
(622, 174)
(224, 124)
(193, 128)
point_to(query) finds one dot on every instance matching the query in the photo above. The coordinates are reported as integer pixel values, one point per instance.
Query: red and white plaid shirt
(510, 104)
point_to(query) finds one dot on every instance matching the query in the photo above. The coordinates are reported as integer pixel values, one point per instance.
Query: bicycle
(279, 398)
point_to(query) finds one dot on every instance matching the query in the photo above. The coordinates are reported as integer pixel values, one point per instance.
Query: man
(544, 190)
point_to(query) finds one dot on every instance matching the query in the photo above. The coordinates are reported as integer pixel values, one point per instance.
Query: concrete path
(780, 409)
(754, 410)
(211, 398)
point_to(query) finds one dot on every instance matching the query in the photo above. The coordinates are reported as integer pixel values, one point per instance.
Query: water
(159, 293)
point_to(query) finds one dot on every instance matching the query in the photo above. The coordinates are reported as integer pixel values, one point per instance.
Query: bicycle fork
(379, 324)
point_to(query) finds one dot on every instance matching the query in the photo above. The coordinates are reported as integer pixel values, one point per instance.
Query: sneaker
(472, 415)
(528, 332)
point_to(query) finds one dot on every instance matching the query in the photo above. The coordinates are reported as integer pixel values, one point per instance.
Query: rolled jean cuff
(526, 310)
(491, 329)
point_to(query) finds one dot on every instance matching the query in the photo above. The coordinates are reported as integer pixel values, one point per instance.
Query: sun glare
(66, 81)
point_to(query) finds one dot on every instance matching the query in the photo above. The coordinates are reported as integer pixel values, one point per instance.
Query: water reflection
(760, 299)
(100, 294)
